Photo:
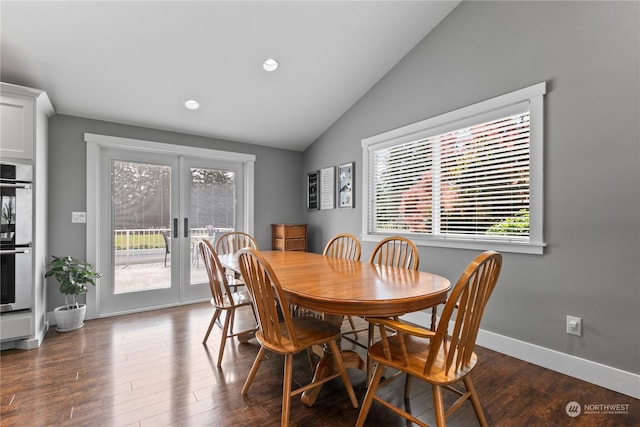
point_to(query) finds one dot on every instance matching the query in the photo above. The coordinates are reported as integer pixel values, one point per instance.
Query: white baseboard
(596, 373)
(52, 318)
(27, 343)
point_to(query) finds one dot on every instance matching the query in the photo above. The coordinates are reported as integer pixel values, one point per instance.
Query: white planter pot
(69, 320)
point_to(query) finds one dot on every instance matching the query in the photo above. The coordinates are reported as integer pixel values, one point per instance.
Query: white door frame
(95, 144)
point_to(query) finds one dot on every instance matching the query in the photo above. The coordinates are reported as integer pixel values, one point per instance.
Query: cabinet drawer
(15, 326)
(295, 232)
(295, 245)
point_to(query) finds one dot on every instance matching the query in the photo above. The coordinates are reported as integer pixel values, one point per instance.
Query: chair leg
(475, 401)
(407, 386)
(353, 326)
(434, 317)
(369, 344)
(225, 332)
(368, 398)
(253, 371)
(310, 357)
(232, 315)
(438, 405)
(337, 356)
(286, 389)
(216, 314)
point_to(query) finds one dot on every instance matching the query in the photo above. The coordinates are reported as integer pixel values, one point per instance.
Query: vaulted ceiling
(138, 62)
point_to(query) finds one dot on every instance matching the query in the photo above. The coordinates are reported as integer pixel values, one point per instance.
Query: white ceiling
(137, 62)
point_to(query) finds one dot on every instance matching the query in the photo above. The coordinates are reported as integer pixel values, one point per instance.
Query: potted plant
(73, 275)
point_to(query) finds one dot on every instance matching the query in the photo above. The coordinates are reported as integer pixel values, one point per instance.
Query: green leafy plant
(73, 275)
(518, 224)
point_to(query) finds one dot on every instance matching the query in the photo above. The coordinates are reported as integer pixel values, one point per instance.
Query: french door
(156, 208)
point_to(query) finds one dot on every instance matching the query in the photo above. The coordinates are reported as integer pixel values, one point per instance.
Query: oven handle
(15, 185)
(15, 251)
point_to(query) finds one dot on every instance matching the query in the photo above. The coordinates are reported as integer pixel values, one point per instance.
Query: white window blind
(458, 179)
(471, 181)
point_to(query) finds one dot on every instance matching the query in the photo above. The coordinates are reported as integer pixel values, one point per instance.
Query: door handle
(19, 185)
(175, 228)
(186, 227)
(15, 251)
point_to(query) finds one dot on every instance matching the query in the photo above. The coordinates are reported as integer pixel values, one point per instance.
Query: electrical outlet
(78, 217)
(574, 325)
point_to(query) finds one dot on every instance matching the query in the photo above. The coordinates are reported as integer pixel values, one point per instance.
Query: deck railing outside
(146, 245)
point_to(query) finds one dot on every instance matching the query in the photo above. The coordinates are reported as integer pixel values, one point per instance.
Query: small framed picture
(345, 185)
(312, 191)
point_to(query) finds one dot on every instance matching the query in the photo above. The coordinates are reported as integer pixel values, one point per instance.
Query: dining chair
(396, 251)
(442, 357)
(345, 246)
(166, 237)
(222, 299)
(283, 334)
(399, 252)
(230, 243)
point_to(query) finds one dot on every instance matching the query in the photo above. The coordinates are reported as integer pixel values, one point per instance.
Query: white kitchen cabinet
(24, 115)
(16, 129)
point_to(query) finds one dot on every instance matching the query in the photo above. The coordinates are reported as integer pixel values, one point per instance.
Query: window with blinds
(460, 179)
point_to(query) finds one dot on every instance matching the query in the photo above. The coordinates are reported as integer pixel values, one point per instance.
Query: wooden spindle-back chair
(222, 299)
(396, 251)
(441, 357)
(230, 243)
(283, 334)
(344, 246)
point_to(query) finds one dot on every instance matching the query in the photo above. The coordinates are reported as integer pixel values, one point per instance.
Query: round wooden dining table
(339, 287)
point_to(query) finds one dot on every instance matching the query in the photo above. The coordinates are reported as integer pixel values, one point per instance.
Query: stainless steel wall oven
(16, 274)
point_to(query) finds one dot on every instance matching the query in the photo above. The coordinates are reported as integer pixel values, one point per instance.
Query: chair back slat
(468, 300)
(264, 287)
(344, 246)
(233, 241)
(397, 252)
(220, 292)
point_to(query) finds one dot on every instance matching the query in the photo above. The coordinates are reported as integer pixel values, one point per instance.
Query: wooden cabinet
(289, 237)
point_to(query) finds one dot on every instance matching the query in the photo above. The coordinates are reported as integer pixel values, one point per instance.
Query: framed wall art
(327, 188)
(313, 190)
(345, 185)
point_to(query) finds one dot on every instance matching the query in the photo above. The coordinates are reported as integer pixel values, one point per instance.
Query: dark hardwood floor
(150, 369)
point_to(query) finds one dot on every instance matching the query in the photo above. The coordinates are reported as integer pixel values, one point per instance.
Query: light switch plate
(79, 217)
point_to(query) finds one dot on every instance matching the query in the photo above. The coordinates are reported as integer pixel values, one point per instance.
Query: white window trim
(452, 120)
(96, 142)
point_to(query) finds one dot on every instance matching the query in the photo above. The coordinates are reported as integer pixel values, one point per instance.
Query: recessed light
(192, 104)
(270, 65)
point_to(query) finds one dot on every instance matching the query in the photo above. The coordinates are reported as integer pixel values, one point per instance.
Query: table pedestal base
(325, 366)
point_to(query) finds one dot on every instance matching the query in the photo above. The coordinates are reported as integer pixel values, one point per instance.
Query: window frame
(460, 118)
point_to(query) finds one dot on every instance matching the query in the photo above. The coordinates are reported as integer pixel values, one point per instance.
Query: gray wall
(589, 55)
(277, 175)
